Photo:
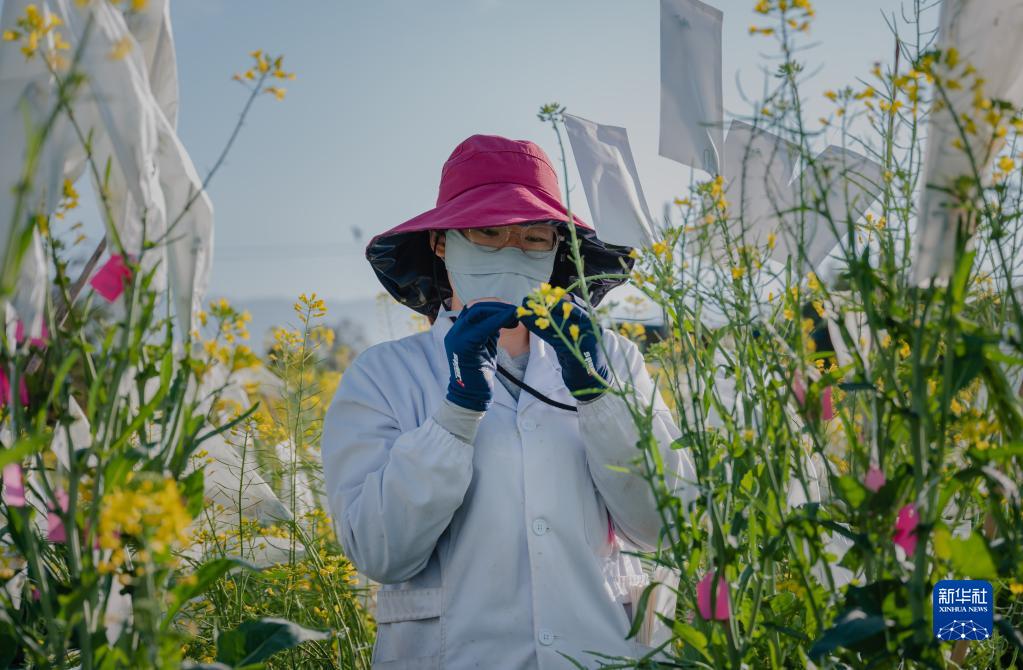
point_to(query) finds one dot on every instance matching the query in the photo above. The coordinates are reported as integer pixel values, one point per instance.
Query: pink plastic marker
(109, 281)
(14, 485)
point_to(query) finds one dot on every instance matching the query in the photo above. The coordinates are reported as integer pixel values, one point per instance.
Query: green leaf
(972, 558)
(9, 644)
(258, 640)
(852, 490)
(25, 446)
(60, 375)
(787, 630)
(1006, 451)
(859, 538)
(856, 386)
(193, 488)
(853, 627)
(1004, 626)
(640, 608)
(227, 426)
(747, 481)
(208, 573)
(942, 542)
(691, 637)
(968, 362)
(109, 658)
(962, 272)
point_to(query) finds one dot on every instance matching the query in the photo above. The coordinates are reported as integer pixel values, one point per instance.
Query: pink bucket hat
(488, 180)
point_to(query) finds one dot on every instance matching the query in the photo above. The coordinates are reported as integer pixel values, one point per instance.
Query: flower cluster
(796, 15)
(224, 348)
(36, 30)
(310, 307)
(266, 67)
(540, 302)
(149, 511)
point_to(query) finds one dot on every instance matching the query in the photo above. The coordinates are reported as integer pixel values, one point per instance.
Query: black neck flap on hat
(415, 276)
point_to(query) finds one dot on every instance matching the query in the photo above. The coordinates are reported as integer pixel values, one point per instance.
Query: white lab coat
(492, 554)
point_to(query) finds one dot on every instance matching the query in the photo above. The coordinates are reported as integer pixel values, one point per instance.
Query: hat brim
(413, 274)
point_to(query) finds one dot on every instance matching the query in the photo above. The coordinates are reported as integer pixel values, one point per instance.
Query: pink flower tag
(55, 531)
(874, 479)
(905, 529)
(19, 335)
(827, 404)
(798, 390)
(14, 485)
(722, 608)
(5, 390)
(109, 281)
(827, 407)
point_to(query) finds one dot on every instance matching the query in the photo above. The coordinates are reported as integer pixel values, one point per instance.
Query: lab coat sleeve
(611, 440)
(392, 490)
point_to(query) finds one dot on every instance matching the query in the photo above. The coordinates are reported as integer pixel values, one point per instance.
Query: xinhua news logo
(963, 609)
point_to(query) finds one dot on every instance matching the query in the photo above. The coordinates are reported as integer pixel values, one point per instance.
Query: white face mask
(507, 274)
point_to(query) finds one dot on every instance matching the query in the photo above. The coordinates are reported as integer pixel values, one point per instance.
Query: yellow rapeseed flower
(121, 48)
(951, 57)
(538, 309)
(717, 186)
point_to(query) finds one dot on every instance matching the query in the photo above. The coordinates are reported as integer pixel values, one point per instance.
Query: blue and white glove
(583, 378)
(471, 345)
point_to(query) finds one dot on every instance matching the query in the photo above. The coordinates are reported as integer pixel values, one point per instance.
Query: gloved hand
(471, 345)
(583, 378)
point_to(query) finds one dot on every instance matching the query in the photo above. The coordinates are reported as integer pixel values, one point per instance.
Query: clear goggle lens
(535, 238)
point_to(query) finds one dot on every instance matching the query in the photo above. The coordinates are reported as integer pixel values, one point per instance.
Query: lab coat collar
(543, 372)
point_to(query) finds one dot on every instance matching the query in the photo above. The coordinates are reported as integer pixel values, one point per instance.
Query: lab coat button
(546, 637)
(540, 526)
(528, 424)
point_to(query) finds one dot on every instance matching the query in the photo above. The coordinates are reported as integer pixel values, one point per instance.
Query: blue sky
(386, 89)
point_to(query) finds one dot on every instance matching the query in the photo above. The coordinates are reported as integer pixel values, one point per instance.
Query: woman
(487, 510)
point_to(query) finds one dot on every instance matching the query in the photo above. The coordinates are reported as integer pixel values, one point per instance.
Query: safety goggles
(532, 238)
